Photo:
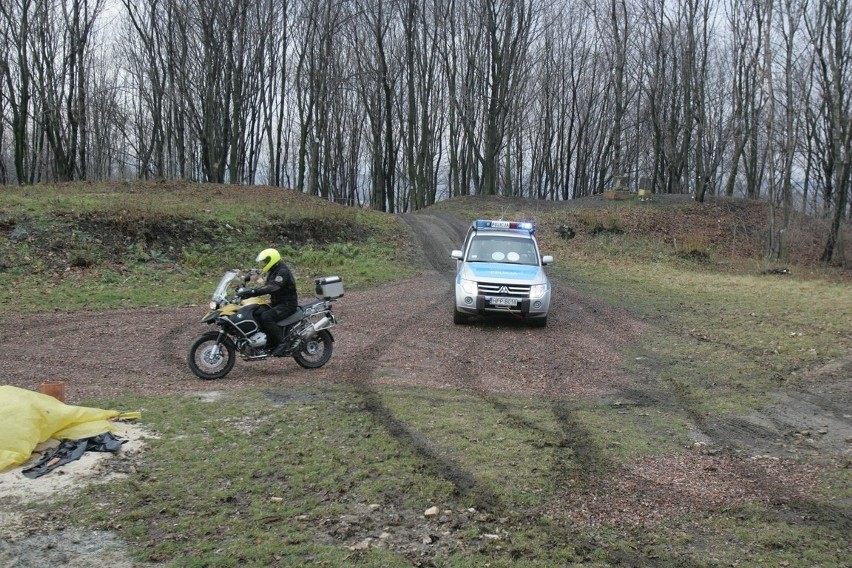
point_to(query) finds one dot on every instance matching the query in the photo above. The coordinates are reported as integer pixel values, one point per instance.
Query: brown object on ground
(55, 389)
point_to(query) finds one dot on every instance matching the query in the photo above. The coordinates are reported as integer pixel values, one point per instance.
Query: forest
(397, 104)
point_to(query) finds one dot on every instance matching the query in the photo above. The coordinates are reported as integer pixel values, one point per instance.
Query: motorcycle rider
(281, 286)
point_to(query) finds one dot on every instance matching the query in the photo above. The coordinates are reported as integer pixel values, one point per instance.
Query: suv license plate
(504, 301)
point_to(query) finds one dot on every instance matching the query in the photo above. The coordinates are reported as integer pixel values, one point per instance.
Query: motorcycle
(212, 354)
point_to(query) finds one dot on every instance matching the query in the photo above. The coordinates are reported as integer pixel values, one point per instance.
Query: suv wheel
(538, 322)
(458, 317)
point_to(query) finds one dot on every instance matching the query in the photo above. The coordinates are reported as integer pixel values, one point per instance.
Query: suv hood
(503, 273)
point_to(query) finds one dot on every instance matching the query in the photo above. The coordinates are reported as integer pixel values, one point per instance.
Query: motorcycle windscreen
(221, 292)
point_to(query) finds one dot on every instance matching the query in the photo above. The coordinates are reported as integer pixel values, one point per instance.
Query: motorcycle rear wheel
(316, 351)
(211, 360)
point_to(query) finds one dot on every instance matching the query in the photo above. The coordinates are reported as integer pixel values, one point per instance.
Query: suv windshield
(502, 249)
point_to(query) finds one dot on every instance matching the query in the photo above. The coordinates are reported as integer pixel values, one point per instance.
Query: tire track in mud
(575, 450)
(572, 452)
(774, 429)
(436, 254)
(178, 337)
(361, 370)
(437, 236)
(818, 405)
(575, 454)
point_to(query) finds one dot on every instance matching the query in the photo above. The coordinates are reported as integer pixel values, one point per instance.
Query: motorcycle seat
(299, 313)
(294, 317)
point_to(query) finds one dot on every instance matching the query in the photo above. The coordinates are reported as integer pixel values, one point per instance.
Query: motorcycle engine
(258, 339)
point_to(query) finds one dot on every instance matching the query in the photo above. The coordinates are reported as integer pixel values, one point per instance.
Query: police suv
(500, 271)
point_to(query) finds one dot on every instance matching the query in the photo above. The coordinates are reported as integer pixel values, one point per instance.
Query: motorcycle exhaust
(315, 328)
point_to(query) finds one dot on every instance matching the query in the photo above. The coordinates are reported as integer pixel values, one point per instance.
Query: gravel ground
(402, 334)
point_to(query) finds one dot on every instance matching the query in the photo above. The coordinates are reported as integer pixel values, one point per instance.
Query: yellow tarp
(28, 418)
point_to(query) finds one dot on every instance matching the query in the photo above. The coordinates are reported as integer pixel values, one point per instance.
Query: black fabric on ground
(70, 450)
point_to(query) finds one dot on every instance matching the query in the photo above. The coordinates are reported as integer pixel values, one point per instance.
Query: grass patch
(122, 245)
(298, 476)
(313, 476)
(738, 336)
(167, 284)
(755, 532)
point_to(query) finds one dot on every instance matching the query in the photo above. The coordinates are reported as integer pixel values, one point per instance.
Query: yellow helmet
(269, 257)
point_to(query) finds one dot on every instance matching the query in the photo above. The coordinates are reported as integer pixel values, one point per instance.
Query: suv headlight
(537, 291)
(469, 286)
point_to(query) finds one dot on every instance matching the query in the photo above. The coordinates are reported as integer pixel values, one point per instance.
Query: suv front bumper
(483, 305)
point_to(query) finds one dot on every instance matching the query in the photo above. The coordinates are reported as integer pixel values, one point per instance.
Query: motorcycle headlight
(537, 291)
(213, 305)
(469, 286)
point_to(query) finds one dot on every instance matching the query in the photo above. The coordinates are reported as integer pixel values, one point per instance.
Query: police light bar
(518, 225)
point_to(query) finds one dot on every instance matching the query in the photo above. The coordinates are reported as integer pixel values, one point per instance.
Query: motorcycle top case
(329, 287)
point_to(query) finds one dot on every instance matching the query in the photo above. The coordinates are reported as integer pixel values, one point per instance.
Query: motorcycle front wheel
(316, 351)
(208, 358)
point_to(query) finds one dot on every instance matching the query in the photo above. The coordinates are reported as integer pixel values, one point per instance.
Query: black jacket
(280, 285)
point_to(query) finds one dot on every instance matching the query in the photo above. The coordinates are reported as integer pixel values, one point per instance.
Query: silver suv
(500, 271)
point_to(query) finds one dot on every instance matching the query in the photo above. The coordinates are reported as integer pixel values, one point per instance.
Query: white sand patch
(92, 467)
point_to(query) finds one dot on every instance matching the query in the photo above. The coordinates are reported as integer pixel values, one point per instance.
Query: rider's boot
(280, 349)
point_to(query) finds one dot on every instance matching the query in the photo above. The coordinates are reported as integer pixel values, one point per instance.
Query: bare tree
(509, 29)
(48, 83)
(278, 114)
(421, 115)
(317, 75)
(378, 71)
(486, 52)
(147, 59)
(549, 127)
(458, 44)
(104, 154)
(15, 74)
(709, 141)
(619, 28)
(587, 90)
(746, 22)
(782, 137)
(768, 103)
(828, 26)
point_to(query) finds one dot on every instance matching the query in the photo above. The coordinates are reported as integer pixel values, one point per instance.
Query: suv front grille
(513, 290)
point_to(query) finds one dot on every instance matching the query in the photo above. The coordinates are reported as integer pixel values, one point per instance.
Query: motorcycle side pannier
(329, 287)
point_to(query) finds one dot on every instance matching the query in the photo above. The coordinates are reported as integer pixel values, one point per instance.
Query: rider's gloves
(245, 292)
